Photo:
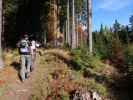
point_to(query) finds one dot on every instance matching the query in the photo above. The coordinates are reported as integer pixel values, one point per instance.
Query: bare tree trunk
(73, 25)
(77, 36)
(45, 38)
(66, 32)
(89, 14)
(68, 23)
(53, 23)
(1, 60)
(55, 19)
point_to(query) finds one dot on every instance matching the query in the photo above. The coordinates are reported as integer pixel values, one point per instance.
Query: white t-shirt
(33, 44)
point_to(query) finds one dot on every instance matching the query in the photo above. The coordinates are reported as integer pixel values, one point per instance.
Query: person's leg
(23, 68)
(32, 62)
(34, 54)
(29, 63)
(33, 59)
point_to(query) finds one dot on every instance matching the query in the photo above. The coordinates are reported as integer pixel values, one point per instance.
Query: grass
(3, 89)
(83, 59)
(48, 63)
(51, 63)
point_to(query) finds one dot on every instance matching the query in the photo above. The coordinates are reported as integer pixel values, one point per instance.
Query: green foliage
(124, 34)
(98, 87)
(102, 42)
(79, 5)
(131, 21)
(84, 60)
(129, 55)
(116, 26)
(10, 7)
(108, 43)
(129, 60)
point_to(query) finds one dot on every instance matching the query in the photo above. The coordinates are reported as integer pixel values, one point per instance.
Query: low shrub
(84, 59)
(129, 60)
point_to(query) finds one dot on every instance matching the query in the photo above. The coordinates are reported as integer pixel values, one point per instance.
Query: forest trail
(11, 88)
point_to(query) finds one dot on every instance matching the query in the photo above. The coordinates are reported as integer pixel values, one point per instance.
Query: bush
(103, 51)
(98, 87)
(129, 59)
(129, 54)
(84, 60)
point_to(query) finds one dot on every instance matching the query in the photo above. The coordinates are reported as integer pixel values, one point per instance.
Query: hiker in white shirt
(33, 52)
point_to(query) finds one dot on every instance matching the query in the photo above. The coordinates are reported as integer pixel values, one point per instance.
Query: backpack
(24, 46)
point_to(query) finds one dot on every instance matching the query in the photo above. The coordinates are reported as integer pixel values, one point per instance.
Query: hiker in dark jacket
(24, 50)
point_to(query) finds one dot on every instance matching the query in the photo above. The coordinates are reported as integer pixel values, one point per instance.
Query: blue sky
(106, 11)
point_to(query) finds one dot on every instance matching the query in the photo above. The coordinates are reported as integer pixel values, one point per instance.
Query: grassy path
(13, 89)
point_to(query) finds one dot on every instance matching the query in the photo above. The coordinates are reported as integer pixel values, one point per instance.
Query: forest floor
(11, 87)
(49, 76)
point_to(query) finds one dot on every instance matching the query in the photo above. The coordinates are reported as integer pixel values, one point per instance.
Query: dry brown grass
(52, 76)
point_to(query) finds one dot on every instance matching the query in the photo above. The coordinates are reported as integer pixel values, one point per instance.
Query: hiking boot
(22, 81)
(32, 69)
(27, 75)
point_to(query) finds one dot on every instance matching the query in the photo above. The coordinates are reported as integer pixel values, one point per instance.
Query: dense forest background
(52, 23)
(45, 20)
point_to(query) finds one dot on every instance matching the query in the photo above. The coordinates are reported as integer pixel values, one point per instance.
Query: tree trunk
(77, 34)
(53, 23)
(89, 15)
(68, 23)
(73, 26)
(66, 32)
(1, 60)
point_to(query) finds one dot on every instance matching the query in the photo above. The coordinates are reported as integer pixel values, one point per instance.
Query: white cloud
(114, 5)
